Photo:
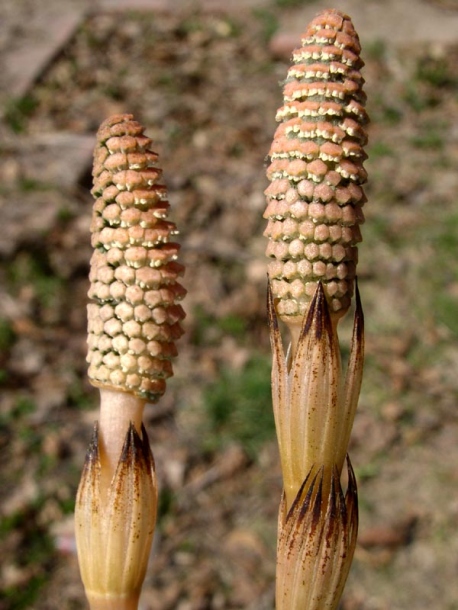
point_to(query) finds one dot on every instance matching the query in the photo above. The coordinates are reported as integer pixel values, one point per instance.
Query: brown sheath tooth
(134, 318)
(314, 199)
(317, 539)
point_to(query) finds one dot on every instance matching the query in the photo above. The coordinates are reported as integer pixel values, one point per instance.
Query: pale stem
(295, 332)
(117, 410)
(101, 603)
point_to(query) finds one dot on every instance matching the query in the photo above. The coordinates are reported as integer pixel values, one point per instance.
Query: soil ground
(206, 85)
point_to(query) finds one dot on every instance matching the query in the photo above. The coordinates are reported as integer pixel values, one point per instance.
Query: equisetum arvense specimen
(314, 210)
(133, 322)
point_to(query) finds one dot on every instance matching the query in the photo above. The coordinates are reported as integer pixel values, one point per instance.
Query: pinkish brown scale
(317, 168)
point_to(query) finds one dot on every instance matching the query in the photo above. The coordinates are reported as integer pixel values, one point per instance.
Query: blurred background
(203, 77)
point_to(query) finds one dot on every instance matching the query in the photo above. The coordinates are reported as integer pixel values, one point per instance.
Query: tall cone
(315, 199)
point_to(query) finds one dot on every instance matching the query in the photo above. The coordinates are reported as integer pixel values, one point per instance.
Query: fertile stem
(133, 322)
(314, 210)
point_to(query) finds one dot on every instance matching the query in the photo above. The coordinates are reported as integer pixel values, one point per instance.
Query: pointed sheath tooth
(298, 546)
(280, 388)
(88, 512)
(346, 514)
(114, 531)
(315, 399)
(331, 559)
(354, 375)
(132, 516)
(317, 538)
(351, 505)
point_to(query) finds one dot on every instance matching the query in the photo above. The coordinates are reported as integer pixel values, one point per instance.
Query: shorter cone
(134, 317)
